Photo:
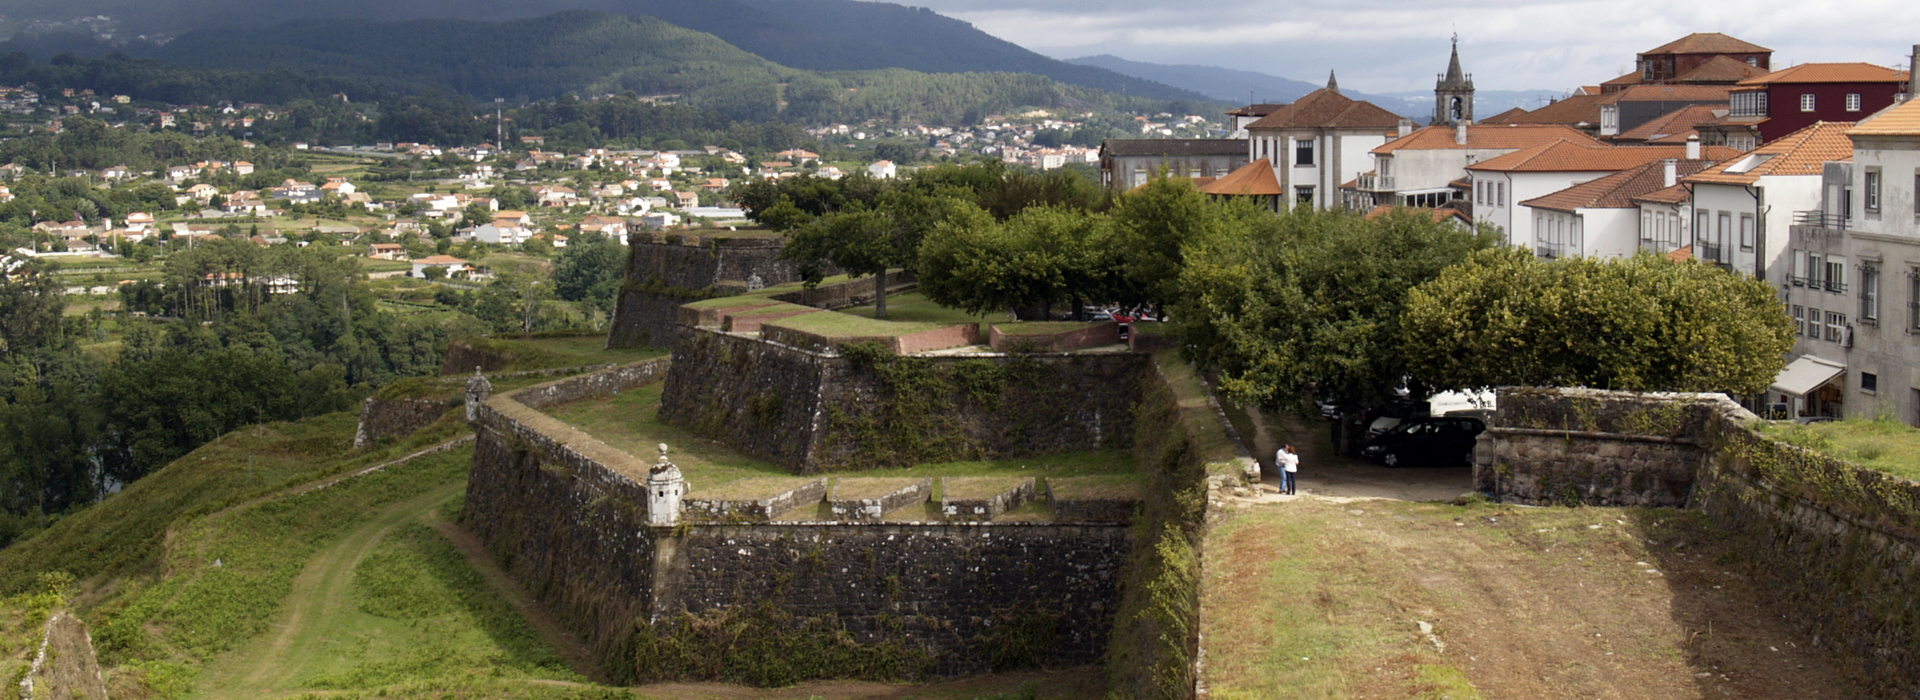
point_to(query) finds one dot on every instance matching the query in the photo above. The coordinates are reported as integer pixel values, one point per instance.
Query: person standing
(1288, 463)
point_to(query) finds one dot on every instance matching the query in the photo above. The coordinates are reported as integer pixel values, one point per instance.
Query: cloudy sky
(1396, 45)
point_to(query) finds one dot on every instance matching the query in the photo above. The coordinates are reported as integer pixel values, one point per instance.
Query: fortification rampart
(565, 514)
(814, 411)
(1839, 545)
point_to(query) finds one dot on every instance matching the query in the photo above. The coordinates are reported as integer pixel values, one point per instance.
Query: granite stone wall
(941, 585)
(392, 419)
(820, 411)
(1839, 544)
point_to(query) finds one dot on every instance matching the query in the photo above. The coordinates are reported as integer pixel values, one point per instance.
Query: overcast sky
(1396, 45)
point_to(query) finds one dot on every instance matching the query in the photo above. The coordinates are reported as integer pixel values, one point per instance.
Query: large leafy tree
(1506, 317)
(1310, 302)
(1040, 256)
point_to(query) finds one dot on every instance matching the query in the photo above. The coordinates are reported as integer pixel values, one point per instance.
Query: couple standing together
(1287, 462)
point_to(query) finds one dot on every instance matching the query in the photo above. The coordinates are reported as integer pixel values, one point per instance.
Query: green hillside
(824, 35)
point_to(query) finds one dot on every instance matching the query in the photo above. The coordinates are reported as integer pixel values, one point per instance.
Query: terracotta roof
(1706, 42)
(1802, 152)
(1830, 73)
(1674, 126)
(1485, 136)
(1720, 69)
(1570, 156)
(1505, 117)
(1660, 93)
(1327, 108)
(1255, 178)
(1899, 120)
(1174, 147)
(1576, 109)
(1628, 79)
(1616, 191)
(1676, 194)
(1681, 254)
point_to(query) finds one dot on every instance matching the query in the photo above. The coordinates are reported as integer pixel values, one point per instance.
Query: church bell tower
(1453, 93)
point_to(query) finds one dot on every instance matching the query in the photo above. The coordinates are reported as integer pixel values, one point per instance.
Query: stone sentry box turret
(665, 489)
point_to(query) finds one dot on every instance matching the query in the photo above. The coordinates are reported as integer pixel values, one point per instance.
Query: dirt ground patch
(1077, 684)
(1325, 597)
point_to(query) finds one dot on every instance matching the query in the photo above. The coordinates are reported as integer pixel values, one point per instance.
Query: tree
(1506, 317)
(1311, 302)
(30, 307)
(590, 270)
(1041, 256)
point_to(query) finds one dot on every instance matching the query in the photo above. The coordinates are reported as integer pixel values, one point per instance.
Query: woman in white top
(1288, 463)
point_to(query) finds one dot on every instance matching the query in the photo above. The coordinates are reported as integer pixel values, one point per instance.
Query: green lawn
(839, 325)
(913, 307)
(1884, 445)
(629, 421)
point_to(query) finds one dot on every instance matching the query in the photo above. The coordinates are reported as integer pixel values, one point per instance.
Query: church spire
(1454, 74)
(1453, 92)
(1333, 85)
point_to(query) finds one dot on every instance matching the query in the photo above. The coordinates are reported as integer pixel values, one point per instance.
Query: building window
(1869, 382)
(1699, 228)
(1836, 275)
(1304, 195)
(1870, 295)
(1799, 274)
(1813, 323)
(1836, 327)
(1303, 152)
(1853, 102)
(1746, 232)
(1753, 61)
(1720, 237)
(1913, 301)
(1873, 190)
(1806, 102)
(1800, 319)
(1499, 194)
(1816, 271)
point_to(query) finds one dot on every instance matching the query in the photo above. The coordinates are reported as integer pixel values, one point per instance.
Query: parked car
(1384, 417)
(1425, 439)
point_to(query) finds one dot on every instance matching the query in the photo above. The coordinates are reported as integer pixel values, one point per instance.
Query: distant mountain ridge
(824, 35)
(1249, 87)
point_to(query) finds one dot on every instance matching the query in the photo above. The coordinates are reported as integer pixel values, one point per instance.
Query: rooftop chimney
(1673, 172)
(1460, 134)
(1406, 127)
(1913, 74)
(1693, 147)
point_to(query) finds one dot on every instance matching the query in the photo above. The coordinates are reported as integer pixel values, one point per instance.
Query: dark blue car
(1426, 440)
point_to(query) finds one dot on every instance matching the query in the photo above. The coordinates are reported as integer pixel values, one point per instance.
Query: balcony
(1820, 219)
(1369, 182)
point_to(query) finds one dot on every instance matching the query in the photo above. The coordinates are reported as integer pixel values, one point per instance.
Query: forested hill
(592, 53)
(826, 35)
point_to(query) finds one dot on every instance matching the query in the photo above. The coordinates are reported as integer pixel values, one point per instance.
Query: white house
(503, 232)
(1502, 186)
(1606, 217)
(1320, 141)
(1421, 166)
(1742, 207)
(882, 170)
(448, 263)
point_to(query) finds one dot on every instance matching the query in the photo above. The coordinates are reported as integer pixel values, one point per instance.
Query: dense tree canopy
(1311, 302)
(1505, 317)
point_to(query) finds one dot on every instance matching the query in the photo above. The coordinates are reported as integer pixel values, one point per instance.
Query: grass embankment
(1376, 598)
(629, 421)
(1883, 444)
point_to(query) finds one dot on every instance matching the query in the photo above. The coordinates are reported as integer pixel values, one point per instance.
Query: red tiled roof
(1326, 108)
(1720, 69)
(1575, 109)
(1803, 152)
(1659, 93)
(1485, 136)
(1676, 194)
(1899, 120)
(1830, 73)
(1616, 191)
(1252, 179)
(1506, 117)
(1706, 42)
(1567, 156)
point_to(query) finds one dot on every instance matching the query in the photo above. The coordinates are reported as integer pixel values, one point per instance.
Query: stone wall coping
(755, 337)
(1590, 434)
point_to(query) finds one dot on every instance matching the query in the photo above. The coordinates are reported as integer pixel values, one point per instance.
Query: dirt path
(1325, 472)
(318, 594)
(570, 648)
(1522, 603)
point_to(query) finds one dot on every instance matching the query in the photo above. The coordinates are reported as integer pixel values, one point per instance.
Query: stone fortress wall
(1840, 544)
(567, 516)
